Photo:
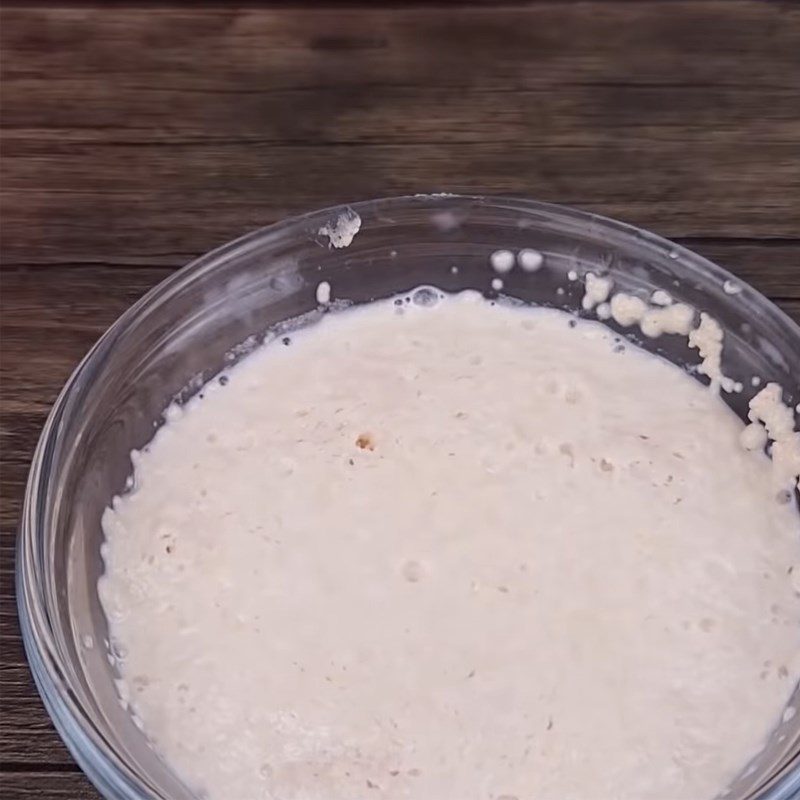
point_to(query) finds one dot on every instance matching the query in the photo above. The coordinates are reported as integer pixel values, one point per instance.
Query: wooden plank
(94, 201)
(46, 783)
(770, 265)
(724, 43)
(27, 737)
(641, 111)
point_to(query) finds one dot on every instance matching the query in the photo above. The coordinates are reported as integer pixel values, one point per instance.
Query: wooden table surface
(135, 138)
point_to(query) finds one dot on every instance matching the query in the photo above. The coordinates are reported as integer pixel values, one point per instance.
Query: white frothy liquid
(454, 551)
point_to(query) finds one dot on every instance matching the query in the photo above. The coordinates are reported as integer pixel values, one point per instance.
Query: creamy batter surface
(451, 550)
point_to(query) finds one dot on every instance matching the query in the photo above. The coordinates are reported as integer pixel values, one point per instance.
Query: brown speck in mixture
(503, 589)
(365, 442)
(351, 462)
(168, 548)
(550, 724)
(394, 772)
(471, 674)
(372, 785)
(783, 672)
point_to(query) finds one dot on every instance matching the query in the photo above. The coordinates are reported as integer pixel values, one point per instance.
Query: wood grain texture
(122, 127)
(49, 783)
(134, 139)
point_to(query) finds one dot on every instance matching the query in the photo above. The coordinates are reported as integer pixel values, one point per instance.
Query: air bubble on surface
(502, 261)
(530, 260)
(425, 297)
(323, 293)
(731, 287)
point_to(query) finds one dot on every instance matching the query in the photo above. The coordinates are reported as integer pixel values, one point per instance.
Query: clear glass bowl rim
(95, 757)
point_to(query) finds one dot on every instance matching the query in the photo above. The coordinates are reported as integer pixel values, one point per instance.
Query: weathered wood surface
(134, 139)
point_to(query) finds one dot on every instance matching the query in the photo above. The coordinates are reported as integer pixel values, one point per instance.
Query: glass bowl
(216, 309)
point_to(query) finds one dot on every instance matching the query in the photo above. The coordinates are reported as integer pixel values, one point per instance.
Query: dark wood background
(136, 137)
